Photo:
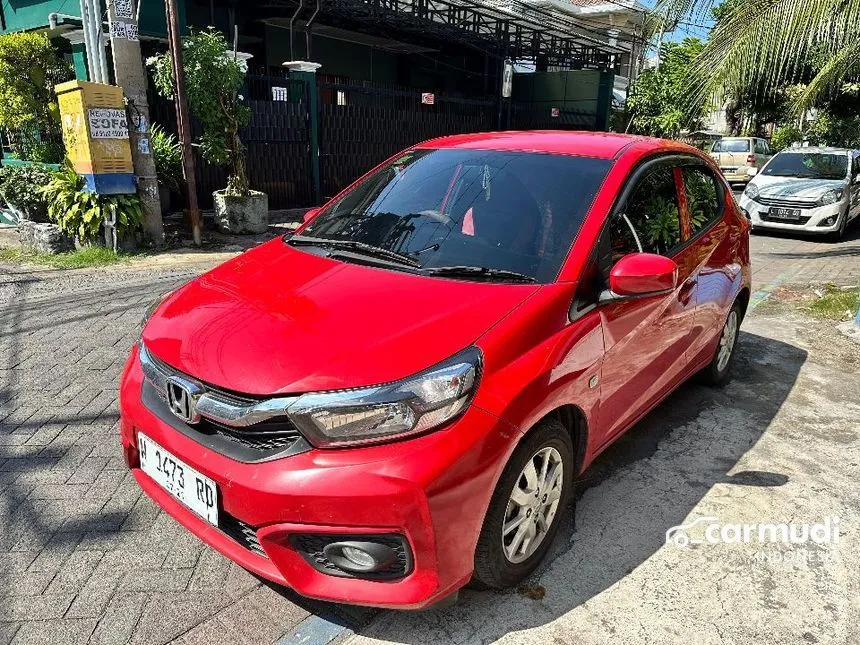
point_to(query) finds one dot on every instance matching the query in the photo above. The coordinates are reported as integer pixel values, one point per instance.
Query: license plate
(785, 213)
(196, 491)
(728, 170)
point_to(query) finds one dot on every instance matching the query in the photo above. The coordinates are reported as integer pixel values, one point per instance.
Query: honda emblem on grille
(182, 399)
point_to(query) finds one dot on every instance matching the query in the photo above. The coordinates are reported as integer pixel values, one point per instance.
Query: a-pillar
(301, 70)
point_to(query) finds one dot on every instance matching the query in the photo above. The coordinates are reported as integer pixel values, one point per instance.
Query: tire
(839, 235)
(493, 567)
(719, 370)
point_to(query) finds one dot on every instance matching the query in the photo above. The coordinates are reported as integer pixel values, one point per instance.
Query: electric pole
(183, 122)
(130, 75)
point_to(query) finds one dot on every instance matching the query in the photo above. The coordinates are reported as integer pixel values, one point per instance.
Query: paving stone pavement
(84, 555)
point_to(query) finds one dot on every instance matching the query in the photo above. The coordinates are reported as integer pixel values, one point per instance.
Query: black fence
(363, 124)
(276, 139)
(358, 125)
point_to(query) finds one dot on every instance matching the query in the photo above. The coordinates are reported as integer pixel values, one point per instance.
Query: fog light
(361, 558)
(830, 221)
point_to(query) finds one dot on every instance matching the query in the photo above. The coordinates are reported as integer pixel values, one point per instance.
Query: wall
(571, 91)
(25, 15)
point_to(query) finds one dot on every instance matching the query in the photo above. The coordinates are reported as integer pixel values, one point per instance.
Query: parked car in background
(814, 190)
(398, 397)
(740, 158)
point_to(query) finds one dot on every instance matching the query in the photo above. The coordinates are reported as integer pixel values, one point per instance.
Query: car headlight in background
(751, 191)
(411, 406)
(830, 197)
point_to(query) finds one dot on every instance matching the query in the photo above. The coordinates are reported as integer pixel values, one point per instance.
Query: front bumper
(810, 221)
(433, 490)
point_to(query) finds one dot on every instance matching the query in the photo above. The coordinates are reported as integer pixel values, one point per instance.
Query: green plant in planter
(214, 78)
(20, 188)
(168, 157)
(81, 212)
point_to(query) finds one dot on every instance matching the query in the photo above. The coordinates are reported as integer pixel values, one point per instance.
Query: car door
(761, 153)
(645, 338)
(711, 253)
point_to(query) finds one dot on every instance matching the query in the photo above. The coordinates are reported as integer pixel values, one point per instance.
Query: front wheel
(718, 371)
(532, 496)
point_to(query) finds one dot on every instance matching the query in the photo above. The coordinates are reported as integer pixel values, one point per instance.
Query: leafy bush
(784, 136)
(29, 69)
(20, 188)
(82, 213)
(168, 157)
(214, 78)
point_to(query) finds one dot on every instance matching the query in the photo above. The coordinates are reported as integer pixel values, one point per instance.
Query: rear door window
(703, 197)
(732, 145)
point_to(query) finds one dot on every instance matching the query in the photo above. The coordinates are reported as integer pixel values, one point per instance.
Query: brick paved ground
(84, 556)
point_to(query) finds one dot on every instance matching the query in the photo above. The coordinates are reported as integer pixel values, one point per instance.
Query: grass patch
(835, 303)
(95, 256)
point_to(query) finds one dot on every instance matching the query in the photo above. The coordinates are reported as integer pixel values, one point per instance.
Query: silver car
(813, 190)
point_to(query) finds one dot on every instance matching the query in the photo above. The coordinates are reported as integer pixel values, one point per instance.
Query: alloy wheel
(727, 341)
(533, 505)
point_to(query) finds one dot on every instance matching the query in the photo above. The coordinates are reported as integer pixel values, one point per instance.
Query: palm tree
(769, 44)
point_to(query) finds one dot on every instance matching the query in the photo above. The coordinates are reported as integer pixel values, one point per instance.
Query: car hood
(795, 187)
(278, 319)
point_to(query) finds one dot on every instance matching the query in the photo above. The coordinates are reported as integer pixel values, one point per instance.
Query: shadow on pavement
(646, 483)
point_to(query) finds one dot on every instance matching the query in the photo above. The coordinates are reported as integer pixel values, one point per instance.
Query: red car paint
(280, 320)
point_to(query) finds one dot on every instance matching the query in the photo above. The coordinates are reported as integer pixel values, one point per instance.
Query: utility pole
(130, 75)
(192, 213)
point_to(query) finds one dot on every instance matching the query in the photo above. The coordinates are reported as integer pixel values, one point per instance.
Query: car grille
(789, 203)
(244, 534)
(266, 439)
(311, 545)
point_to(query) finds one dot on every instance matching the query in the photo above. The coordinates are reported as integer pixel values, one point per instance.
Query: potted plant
(168, 164)
(214, 77)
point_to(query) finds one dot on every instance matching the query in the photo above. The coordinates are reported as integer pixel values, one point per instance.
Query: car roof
(600, 145)
(816, 149)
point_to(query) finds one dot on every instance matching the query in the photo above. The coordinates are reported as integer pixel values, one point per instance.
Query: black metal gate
(362, 124)
(277, 141)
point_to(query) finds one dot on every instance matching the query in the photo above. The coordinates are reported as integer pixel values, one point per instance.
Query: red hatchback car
(398, 398)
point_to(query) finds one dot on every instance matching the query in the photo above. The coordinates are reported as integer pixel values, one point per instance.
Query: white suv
(815, 190)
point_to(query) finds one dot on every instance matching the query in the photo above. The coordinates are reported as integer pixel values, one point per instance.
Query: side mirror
(857, 178)
(309, 215)
(643, 274)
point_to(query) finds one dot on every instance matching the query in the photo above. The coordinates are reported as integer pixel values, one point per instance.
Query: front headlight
(751, 190)
(411, 406)
(830, 197)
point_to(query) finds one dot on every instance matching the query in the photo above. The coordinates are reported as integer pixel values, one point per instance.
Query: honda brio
(398, 397)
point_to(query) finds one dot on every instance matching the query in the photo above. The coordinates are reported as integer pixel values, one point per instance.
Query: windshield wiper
(358, 247)
(465, 271)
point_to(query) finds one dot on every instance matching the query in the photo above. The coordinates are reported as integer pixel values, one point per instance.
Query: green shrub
(784, 136)
(168, 157)
(20, 188)
(29, 69)
(81, 212)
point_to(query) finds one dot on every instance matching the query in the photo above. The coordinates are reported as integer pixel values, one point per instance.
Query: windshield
(498, 210)
(809, 165)
(731, 145)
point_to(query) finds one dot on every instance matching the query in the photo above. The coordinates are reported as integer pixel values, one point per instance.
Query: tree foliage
(766, 45)
(657, 98)
(29, 69)
(214, 77)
